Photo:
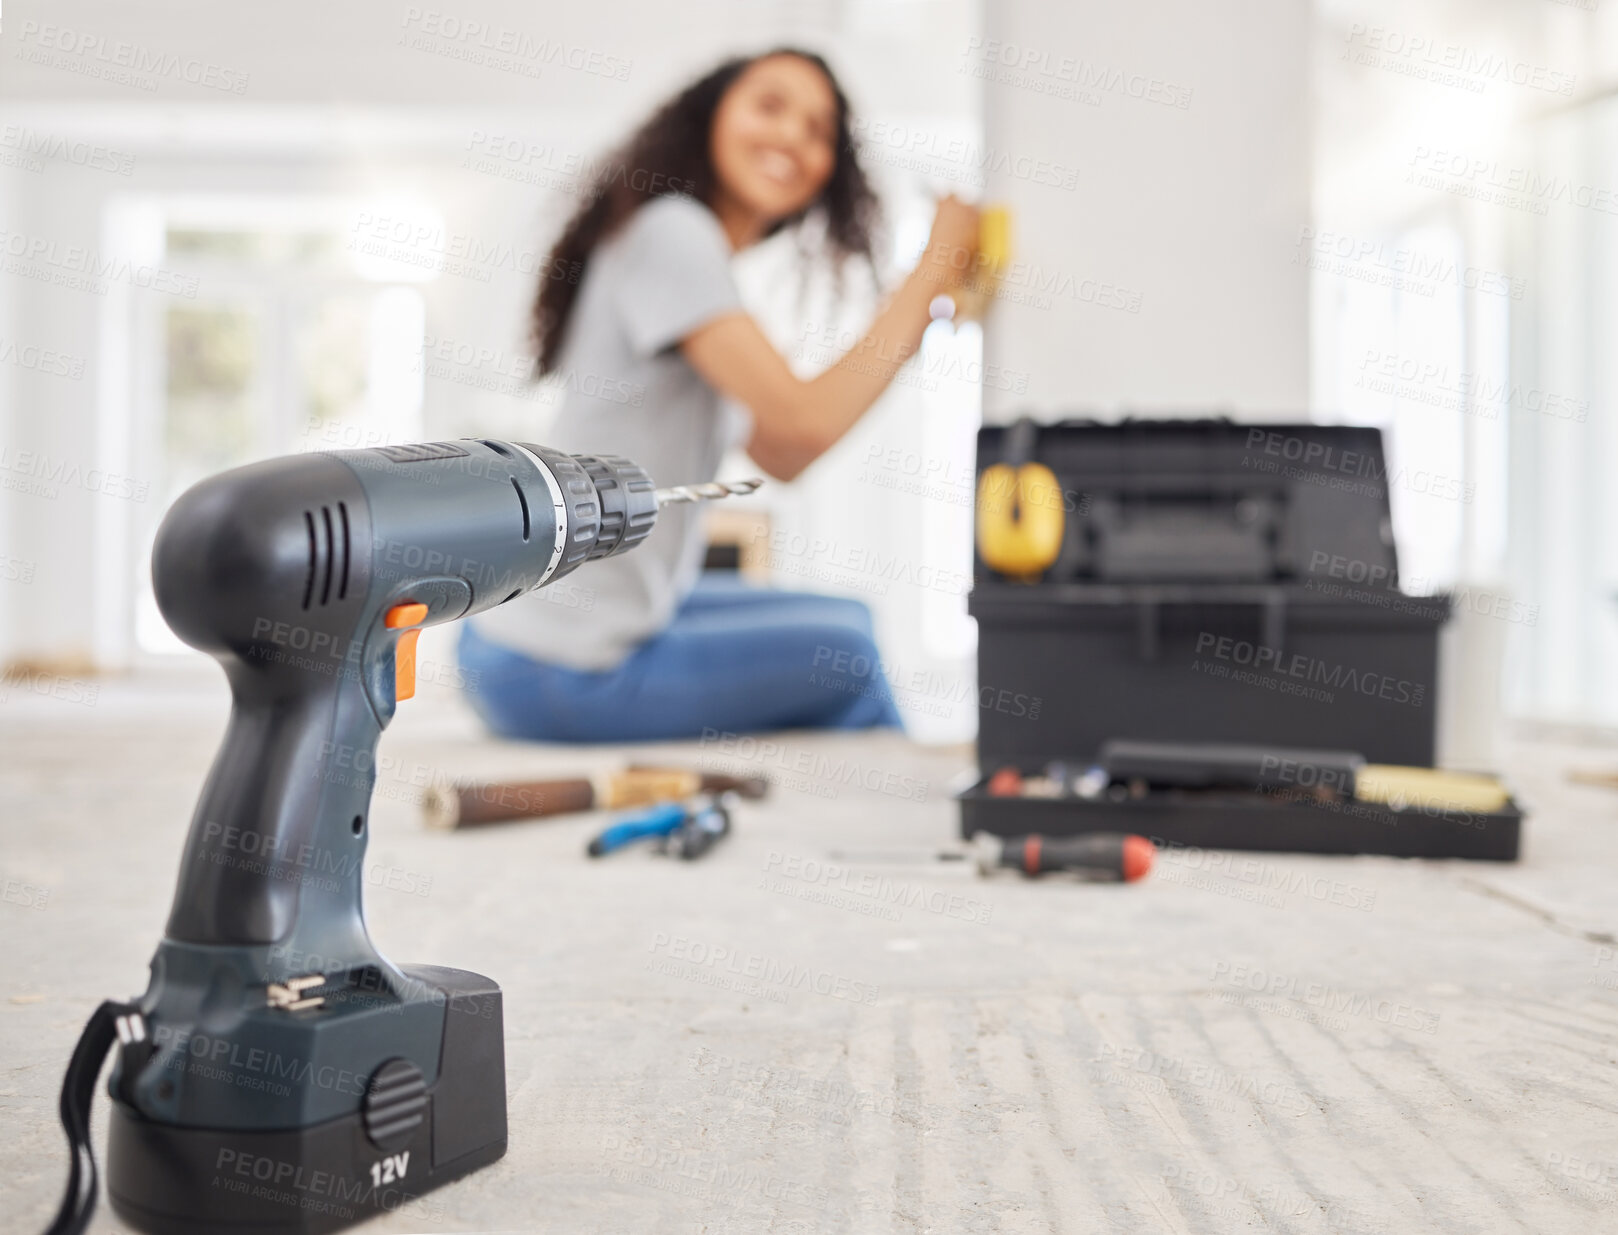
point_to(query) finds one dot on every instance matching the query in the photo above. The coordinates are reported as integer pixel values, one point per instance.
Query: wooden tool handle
(473, 804)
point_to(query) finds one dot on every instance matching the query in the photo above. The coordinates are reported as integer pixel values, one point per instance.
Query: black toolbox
(1217, 582)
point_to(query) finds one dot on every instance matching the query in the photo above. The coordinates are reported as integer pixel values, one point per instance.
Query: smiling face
(774, 139)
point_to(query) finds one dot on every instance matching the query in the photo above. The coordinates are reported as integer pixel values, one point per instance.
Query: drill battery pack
(411, 1125)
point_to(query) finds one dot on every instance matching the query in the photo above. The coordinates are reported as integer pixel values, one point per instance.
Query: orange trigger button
(410, 613)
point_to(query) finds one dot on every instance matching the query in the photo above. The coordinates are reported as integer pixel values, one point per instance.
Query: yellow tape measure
(1020, 519)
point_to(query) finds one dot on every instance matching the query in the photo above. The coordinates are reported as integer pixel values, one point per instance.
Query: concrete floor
(1194, 1054)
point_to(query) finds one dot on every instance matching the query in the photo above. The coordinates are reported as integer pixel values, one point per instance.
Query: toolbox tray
(1234, 819)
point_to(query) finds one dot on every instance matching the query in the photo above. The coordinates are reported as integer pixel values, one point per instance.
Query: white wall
(1184, 128)
(606, 60)
(1482, 130)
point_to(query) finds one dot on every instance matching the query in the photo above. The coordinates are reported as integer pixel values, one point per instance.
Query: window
(288, 346)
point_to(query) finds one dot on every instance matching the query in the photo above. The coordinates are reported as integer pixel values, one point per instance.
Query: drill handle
(268, 569)
(278, 839)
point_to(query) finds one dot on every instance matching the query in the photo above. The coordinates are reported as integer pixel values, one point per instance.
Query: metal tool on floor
(1100, 856)
(659, 821)
(705, 825)
(309, 579)
(684, 830)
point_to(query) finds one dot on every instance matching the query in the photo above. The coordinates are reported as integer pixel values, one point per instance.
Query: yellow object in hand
(994, 236)
(1020, 519)
(993, 256)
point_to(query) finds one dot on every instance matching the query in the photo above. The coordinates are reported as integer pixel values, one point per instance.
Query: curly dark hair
(669, 154)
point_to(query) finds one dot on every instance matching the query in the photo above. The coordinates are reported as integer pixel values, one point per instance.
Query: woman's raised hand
(952, 247)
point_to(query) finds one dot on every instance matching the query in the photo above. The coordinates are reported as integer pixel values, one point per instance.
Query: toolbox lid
(1209, 501)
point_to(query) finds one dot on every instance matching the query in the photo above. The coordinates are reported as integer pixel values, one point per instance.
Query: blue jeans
(735, 658)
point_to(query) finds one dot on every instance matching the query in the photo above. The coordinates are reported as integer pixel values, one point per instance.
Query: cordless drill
(280, 1074)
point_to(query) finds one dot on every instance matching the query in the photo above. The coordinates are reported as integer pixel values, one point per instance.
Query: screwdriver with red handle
(1098, 855)
(1101, 856)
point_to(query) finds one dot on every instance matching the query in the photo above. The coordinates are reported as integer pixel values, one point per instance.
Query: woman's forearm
(796, 420)
(845, 392)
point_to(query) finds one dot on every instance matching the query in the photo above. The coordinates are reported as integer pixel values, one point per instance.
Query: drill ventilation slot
(329, 552)
(522, 497)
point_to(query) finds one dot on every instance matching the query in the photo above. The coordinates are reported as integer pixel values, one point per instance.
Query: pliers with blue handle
(659, 821)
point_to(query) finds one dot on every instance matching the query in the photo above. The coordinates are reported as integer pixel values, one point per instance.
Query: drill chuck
(606, 504)
(628, 503)
(600, 505)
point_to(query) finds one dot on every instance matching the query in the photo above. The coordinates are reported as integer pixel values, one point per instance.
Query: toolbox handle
(1020, 442)
(1272, 614)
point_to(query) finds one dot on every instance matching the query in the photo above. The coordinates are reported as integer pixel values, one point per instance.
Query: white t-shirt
(630, 392)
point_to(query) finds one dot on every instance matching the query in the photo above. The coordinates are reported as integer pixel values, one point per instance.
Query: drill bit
(707, 492)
